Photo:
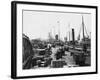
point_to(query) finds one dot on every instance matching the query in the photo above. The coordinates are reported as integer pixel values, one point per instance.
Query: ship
(81, 48)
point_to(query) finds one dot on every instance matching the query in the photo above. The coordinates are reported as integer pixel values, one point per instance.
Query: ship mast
(84, 31)
(54, 31)
(69, 31)
(58, 29)
(83, 28)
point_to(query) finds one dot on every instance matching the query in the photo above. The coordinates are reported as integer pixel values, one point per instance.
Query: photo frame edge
(14, 40)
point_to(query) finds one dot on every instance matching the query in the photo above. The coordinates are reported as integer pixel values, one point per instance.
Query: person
(60, 53)
(84, 48)
(53, 52)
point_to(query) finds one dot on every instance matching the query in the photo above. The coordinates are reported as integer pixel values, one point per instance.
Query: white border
(32, 72)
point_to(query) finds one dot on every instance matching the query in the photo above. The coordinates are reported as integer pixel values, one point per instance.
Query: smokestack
(73, 36)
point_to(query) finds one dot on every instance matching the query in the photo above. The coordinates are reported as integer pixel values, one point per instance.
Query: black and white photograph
(54, 39)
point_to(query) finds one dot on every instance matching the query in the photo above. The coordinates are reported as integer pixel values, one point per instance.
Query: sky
(37, 24)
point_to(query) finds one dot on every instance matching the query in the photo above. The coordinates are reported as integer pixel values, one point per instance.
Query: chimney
(73, 36)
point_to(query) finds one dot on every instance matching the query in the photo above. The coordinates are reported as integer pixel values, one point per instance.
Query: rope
(79, 32)
(86, 30)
